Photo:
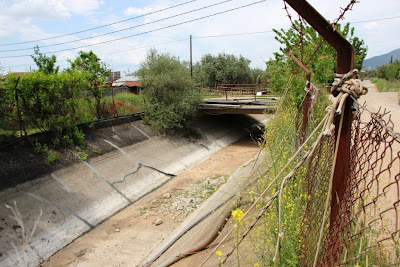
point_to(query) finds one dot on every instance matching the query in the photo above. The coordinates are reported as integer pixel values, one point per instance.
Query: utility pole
(191, 62)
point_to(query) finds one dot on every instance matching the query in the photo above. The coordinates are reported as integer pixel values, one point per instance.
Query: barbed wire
(290, 17)
(343, 12)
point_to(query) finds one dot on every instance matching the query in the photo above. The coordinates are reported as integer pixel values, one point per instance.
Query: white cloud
(17, 17)
(137, 11)
(83, 7)
(50, 9)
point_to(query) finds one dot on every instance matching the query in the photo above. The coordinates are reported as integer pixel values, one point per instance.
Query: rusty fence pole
(345, 63)
(307, 99)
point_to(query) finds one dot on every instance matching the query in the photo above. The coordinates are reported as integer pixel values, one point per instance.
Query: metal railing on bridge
(252, 90)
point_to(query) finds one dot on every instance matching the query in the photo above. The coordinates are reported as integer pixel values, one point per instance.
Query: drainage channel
(117, 235)
(124, 183)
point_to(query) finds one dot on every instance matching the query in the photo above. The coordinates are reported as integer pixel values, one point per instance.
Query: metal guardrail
(240, 89)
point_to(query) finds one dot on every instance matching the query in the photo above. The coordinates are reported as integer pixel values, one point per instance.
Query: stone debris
(157, 221)
(190, 198)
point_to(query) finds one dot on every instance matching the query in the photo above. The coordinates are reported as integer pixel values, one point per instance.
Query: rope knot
(348, 83)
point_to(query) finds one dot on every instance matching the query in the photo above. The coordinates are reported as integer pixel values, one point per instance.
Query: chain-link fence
(366, 230)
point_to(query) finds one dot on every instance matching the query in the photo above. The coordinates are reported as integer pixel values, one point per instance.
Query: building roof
(132, 84)
(121, 81)
(16, 73)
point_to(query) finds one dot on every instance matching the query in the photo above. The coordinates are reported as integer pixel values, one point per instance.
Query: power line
(373, 20)
(186, 39)
(113, 52)
(146, 32)
(102, 26)
(129, 28)
(170, 42)
(202, 37)
(146, 46)
(233, 34)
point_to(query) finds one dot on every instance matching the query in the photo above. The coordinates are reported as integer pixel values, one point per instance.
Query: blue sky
(27, 20)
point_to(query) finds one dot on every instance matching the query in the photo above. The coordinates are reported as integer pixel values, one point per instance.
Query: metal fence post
(345, 63)
(307, 98)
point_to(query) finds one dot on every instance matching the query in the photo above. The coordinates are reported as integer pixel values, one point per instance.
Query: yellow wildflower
(237, 215)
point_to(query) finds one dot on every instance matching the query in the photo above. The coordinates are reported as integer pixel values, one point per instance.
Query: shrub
(96, 72)
(169, 102)
(46, 102)
(83, 156)
(52, 156)
(386, 85)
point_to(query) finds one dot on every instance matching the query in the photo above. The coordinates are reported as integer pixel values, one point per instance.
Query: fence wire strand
(367, 226)
(366, 231)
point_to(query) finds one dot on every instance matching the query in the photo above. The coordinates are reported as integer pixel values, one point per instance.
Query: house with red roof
(128, 84)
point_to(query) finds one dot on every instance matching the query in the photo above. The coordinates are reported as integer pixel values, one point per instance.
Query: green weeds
(281, 140)
(52, 156)
(82, 155)
(386, 85)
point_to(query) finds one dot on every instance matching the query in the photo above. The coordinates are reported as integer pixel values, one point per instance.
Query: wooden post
(191, 62)
(18, 109)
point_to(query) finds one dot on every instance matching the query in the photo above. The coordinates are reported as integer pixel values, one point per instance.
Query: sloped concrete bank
(77, 198)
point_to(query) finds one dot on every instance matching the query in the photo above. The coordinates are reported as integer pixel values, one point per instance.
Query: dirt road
(384, 100)
(131, 235)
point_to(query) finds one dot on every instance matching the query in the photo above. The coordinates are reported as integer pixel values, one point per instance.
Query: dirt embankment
(20, 163)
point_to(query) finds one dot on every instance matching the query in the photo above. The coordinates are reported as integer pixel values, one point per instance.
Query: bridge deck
(239, 106)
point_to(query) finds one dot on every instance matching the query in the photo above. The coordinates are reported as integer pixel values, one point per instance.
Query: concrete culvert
(79, 199)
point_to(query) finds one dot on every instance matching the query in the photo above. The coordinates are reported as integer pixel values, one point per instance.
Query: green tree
(223, 68)
(390, 71)
(97, 72)
(322, 64)
(257, 75)
(45, 64)
(169, 103)
(4, 107)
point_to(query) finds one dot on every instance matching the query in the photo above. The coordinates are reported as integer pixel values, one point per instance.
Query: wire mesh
(317, 184)
(366, 230)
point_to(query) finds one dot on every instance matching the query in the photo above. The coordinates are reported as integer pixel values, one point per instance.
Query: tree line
(52, 100)
(224, 69)
(386, 77)
(389, 71)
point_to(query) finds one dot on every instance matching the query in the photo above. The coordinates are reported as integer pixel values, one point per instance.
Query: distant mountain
(374, 62)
